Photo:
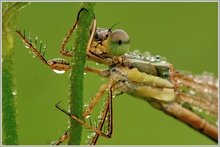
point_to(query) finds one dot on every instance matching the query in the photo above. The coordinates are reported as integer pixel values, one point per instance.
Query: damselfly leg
(112, 86)
(62, 138)
(102, 121)
(57, 64)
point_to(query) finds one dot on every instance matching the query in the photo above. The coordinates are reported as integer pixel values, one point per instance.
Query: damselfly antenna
(110, 29)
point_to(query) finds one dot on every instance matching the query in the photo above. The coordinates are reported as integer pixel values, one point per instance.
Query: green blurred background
(186, 33)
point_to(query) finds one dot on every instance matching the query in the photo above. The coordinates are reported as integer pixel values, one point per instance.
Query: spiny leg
(102, 73)
(101, 124)
(58, 64)
(112, 86)
(89, 126)
(31, 46)
(97, 97)
(89, 53)
(81, 122)
(65, 40)
(108, 110)
(102, 121)
(95, 100)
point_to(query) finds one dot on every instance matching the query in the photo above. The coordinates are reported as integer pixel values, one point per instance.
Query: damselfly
(135, 60)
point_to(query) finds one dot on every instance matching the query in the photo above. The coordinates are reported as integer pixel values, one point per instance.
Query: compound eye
(118, 43)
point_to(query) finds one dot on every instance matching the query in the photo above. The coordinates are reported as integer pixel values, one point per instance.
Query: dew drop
(146, 54)
(34, 45)
(95, 124)
(100, 116)
(157, 58)
(196, 108)
(135, 52)
(30, 37)
(88, 116)
(53, 142)
(200, 110)
(93, 134)
(86, 105)
(152, 59)
(207, 113)
(163, 59)
(88, 141)
(26, 46)
(192, 92)
(14, 92)
(59, 71)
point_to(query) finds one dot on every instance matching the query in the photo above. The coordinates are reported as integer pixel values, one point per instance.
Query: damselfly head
(118, 42)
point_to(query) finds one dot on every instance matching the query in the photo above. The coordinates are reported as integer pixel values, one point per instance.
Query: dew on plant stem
(86, 105)
(14, 92)
(33, 55)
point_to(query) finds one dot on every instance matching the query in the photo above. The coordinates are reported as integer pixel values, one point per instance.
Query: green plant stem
(77, 71)
(9, 121)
